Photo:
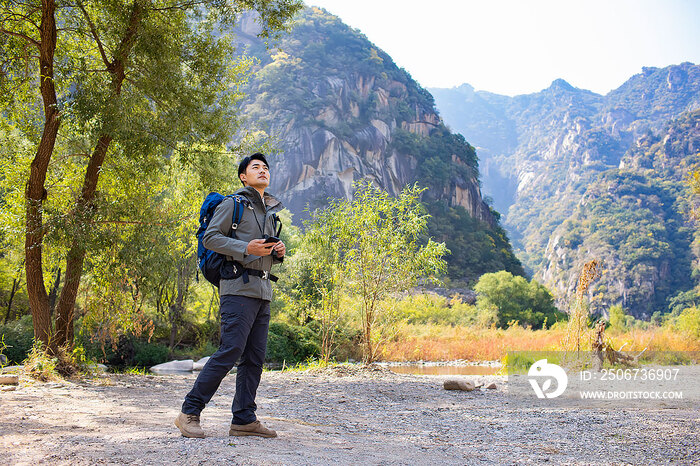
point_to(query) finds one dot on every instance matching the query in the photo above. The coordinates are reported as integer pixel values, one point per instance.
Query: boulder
(459, 385)
(97, 367)
(185, 365)
(9, 379)
(491, 386)
(199, 365)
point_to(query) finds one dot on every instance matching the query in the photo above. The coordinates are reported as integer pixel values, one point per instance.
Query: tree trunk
(178, 307)
(368, 359)
(211, 303)
(76, 255)
(84, 207)
(175, 314)
(35, 191)
(15, 285)
(53, 294)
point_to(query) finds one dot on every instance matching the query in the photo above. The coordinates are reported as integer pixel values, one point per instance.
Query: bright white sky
(520, 46)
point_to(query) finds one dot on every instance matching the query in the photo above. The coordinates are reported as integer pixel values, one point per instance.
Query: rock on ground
(199, 365)
(186, 365)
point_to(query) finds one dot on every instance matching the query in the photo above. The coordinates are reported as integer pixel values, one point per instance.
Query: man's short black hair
(246, 161)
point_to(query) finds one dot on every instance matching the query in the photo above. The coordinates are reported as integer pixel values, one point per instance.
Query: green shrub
(208, 334)
(149, 354)
(39, 365)
(430, 308)
(128, 351)
(689, 322)
(192, 352)
(667, 358)
(291, 343)
(207, 349)
(516, 299)
(19, 338)
(348, 343)
(619, 319)
(94, 350)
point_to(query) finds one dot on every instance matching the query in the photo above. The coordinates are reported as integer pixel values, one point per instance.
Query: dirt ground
(344, 416)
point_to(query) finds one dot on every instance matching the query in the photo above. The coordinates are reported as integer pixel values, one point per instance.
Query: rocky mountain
(337, 109)
(581, 176)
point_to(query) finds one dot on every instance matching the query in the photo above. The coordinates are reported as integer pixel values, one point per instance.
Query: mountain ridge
(559, 142)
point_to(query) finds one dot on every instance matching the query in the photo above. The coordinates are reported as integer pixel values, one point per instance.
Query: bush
(94, 350)
(431, 308)
(516, 300)
(208, 334)
(291, 344)
(39, 365)
(617, 318)
(149, 354)
(19, 338)
(689, 322)
(128, 351)
(348, 343)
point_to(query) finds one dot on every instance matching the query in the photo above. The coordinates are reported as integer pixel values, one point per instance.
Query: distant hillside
(582, 176)
(338, 109)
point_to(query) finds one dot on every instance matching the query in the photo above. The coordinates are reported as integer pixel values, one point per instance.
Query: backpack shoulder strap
(278, 224)
(239, 203)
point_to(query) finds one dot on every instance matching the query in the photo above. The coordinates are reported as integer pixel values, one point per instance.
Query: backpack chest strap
(233, 270)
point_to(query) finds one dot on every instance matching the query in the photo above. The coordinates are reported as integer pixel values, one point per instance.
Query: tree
(316, 278)
(515, 300)
(117, 79)
(618, 319)
(689, 322)
(146, 258)
(376, 239)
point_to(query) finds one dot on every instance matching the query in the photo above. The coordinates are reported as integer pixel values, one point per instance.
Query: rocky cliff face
(634, 219)
(555, 149)
(341, 126)
(318, 160)
(337, 109)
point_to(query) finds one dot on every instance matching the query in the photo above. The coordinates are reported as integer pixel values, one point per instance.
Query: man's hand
(280, 248)
(257, 247)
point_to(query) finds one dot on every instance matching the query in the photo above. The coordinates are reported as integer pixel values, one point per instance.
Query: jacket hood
(254, 196)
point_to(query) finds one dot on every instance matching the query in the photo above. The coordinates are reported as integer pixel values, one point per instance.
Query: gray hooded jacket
(256, 221)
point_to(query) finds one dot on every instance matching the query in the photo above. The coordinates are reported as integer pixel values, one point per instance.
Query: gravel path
(344, 416)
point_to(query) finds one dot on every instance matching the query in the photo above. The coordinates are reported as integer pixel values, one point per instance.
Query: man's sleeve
(217, 238)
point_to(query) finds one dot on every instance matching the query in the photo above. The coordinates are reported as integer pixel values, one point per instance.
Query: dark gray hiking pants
(244, 325)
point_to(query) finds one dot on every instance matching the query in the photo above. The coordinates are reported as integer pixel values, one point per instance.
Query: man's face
(256, 175)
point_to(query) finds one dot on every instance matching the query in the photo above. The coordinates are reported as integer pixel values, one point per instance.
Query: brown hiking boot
(254, 428)
(189, 425)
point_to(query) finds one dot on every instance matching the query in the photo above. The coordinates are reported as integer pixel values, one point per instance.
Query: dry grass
(654, 339)
(444, 343)
(42, 366)
(39, 365)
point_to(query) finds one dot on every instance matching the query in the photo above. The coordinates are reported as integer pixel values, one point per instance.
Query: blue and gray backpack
(210, 262)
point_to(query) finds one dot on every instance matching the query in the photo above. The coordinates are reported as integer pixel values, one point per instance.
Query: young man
(245, 302)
